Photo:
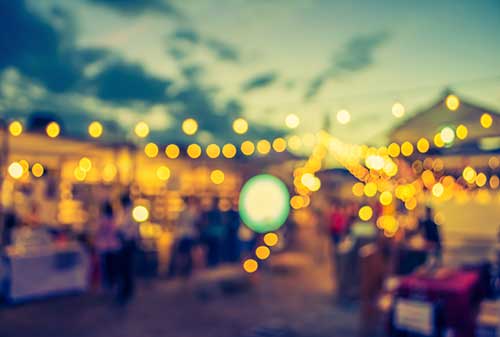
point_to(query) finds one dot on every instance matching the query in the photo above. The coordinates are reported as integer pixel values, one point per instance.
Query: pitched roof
(430, 121)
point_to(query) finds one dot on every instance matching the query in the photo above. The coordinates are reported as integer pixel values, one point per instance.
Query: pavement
(284, 299)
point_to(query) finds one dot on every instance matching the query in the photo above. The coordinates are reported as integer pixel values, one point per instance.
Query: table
(46, 271)
(455, 294)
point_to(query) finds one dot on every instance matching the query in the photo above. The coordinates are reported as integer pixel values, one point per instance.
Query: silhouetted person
(187, 235)
(213, 233)
(232, 242)
(10, 223)
(108, 245)
(128, 232)
(430, 232)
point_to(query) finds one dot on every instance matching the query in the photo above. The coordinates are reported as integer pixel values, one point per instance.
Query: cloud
(220, 49)
(37, 49)
(260, 81)
(356, 55)
(122, 81)
(187, 35)
(136, 7)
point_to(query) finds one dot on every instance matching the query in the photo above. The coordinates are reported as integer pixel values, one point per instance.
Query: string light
(292, 121)
(15, 170)
(462, 132)
(151, 150)
(423, 145)
(217, 177)
(163, 173)
(263, 146)
(141, 130)
(190, 126)
(240, 126)
(53, 129)
(452, 102)
(407, 149)
(229, 151)
(343, 117)
(279, 145)
(247, 148)
(213, 151)
(398, 110)
(194, 151)
(15, 128)
(172, 151)
(37, 170)
(95, 129)
(486, 120)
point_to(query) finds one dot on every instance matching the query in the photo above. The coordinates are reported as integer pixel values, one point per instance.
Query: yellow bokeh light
(194, 151)
(462, 131)
(437, 190)
(37, 170)
(140, 213)
(217, 177)
(398, 110)
(423, 145)
(163, 173)
(15, 170)
(292, 121)
(79, 174)
(407, 149)
(172, 151)
(493, 163)
(95, 129)
(247, 148)
(271, 239)
(262, 252)
(15, 128)
(189, 126)
(438, 141)
(365, 213)
(240, 126)
(151, 150)
(393, 150)
(213, 151)
(297, 202)
(279, 144)
(452, 102)
(358, 189)
(411, 204)
(263, 146)
(53, 129)
(229, 150)
(370, 189)
(141, 130)
(85, 164)
(469, 174)
(25, 165)
(250, 266)
(447, 135)
(486, 120)
(343, 117)
(385, 198)
(481, 179)
(494, 182)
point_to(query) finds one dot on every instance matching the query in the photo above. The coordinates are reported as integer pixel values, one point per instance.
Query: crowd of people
(208, 232)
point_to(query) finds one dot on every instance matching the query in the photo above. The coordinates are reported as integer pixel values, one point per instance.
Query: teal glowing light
(264, 203)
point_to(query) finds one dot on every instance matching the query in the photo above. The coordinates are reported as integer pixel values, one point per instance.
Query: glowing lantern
(264, 203)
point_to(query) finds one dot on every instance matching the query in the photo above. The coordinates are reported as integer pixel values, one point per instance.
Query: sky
(122, 61)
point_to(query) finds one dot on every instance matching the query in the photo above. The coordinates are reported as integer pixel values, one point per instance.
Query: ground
(296, 303)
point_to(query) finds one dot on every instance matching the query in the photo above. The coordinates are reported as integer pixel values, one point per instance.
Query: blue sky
(219, 59)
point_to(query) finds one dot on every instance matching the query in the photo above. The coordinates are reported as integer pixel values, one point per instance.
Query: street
(295, 301)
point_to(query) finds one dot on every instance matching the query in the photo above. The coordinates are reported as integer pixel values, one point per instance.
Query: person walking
(187, 234)
(108, 246)
(128, 233)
